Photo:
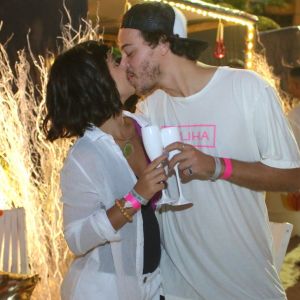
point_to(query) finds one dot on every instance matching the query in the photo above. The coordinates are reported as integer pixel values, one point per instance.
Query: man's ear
(164, 48)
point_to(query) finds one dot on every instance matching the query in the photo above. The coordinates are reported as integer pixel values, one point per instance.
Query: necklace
(126, 145)
(128, 149)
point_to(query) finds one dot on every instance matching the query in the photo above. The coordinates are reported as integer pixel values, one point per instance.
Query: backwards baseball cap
(161, 18)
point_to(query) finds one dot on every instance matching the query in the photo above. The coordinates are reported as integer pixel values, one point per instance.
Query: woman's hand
(153, 178)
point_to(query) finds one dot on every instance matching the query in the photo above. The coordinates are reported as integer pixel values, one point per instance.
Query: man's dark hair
(180, 47)
(156, 22)
(80, 92)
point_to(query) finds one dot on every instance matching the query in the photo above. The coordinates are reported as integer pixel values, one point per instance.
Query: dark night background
(42, 17)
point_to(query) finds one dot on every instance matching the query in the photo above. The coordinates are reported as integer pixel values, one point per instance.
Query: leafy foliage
(256, 7)
(265, 23)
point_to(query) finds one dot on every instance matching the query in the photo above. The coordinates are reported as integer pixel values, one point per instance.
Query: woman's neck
(118, 127)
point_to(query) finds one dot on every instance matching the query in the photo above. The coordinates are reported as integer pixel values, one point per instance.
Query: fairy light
(127, 5)
(206, 10)
(250, 47)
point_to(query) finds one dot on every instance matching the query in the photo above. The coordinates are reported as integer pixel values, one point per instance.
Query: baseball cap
(161, 18)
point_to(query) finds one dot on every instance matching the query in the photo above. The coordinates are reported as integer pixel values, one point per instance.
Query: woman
(109, 223)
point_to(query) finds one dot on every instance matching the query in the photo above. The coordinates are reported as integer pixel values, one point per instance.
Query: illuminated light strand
(192, 7)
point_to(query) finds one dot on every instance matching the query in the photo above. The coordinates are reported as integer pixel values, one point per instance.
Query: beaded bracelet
(123, 211)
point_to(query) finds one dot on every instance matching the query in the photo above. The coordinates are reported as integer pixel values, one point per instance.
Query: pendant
(128, 149)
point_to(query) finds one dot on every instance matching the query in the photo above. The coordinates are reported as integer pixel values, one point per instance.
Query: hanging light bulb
(219, 52)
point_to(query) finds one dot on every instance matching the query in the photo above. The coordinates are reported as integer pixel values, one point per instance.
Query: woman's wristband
(135, 200)
(228, 168)
(131, 201)
(140, 198)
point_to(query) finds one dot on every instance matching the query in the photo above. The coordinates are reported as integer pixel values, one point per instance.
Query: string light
(221, 13)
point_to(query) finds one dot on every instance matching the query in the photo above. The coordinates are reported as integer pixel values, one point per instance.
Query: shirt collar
(95, 132)
(141, 120)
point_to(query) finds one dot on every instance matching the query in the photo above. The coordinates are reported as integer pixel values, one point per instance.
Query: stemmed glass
(171, 135)
(154, 147)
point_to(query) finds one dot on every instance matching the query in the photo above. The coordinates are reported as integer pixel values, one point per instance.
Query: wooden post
(296, 20)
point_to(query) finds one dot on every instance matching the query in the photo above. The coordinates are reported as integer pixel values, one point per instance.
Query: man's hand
(192, 163)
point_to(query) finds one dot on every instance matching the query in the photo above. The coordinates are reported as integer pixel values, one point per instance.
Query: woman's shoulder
(88, 145)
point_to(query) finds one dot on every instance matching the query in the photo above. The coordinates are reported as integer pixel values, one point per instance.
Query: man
(293, 199)
(294, 82)
(294, 91)
(220, 248)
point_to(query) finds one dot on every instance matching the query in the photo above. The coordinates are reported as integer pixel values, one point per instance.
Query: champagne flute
(171, 135)
(153, 145)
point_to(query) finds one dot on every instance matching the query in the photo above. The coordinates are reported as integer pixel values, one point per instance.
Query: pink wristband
(134, 202)
(228, 168)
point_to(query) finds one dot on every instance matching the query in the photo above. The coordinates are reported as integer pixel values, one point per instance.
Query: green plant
(265, 23)
(251, 6)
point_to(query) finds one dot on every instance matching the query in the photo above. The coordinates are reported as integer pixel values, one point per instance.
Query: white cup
(170, 135)
(152, 141)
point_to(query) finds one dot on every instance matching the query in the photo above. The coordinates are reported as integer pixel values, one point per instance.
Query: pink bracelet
(228, 168)
(134, 202)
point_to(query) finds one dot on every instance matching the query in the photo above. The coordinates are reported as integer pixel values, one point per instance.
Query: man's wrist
(223, 169)
(228, 169)
(218, 169)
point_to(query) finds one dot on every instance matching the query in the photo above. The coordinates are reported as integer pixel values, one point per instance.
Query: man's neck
(183, 78)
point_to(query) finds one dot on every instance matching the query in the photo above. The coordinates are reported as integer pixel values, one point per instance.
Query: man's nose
(124, 62)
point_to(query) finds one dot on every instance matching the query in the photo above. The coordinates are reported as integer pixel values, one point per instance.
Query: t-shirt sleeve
(294, 119)
(276, 142)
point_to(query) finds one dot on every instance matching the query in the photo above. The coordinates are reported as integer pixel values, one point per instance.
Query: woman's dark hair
(130, 103)
(80, 91)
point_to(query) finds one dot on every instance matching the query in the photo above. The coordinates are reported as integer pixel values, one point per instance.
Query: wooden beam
(206, 26)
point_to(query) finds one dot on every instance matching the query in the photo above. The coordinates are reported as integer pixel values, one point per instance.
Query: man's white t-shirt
(294, 118)
(220, 248)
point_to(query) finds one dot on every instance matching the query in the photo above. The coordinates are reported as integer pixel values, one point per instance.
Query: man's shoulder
(240, 73)
(243, 78)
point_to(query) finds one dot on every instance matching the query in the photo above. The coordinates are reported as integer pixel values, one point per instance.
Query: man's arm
(252, 175)
(257, 176)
